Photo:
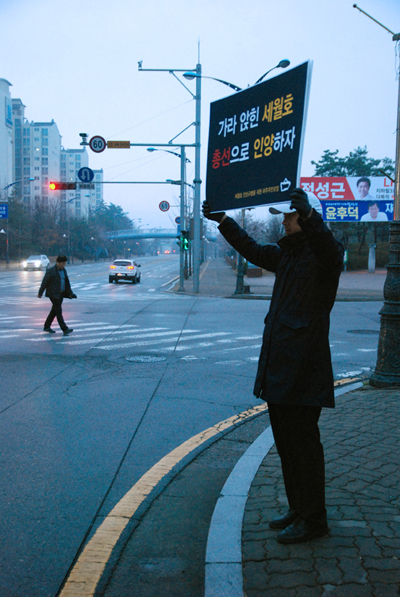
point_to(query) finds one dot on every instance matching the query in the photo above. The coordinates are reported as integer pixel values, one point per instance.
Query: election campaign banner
(256, 140)
(353, 199)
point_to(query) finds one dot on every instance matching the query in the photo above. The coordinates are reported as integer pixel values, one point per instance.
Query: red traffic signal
(62, 186)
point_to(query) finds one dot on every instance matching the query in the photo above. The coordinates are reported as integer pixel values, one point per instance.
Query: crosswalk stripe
(156, 335)
(148, 343)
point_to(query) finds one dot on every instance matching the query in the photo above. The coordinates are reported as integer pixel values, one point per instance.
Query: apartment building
(6, 134)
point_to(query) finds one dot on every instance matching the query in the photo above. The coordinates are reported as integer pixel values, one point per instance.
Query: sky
(77, 62)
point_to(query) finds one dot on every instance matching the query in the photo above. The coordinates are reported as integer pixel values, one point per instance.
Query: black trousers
(297, 440)
(56, 311)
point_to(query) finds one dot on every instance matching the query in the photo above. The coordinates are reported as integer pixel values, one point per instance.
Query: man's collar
(292, 240)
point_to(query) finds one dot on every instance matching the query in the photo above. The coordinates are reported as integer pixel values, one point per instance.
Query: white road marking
(349, 373)
(367, 349)
(133, 332)
(161, 341)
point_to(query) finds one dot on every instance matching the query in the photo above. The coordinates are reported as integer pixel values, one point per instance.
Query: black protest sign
(255, 142)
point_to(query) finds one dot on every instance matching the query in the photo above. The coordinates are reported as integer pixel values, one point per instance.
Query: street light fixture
(190, 75)
(151, 149)
(282, 64)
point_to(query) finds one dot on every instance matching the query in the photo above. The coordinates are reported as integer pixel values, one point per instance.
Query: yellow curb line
(86, 573)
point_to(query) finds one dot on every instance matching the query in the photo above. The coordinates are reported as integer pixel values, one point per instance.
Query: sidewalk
(217, 278)
(361, 556)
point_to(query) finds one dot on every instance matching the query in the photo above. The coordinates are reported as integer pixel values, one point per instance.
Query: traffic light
(185, 240)
(62, 186)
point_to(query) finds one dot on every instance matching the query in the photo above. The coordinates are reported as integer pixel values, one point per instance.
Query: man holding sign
(295, 372)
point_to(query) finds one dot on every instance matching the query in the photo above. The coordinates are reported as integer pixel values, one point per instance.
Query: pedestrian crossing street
(103, 336)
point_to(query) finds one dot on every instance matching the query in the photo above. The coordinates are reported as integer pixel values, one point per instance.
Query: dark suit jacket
(51, 283)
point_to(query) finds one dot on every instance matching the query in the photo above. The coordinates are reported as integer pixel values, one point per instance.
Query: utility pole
(387, 370)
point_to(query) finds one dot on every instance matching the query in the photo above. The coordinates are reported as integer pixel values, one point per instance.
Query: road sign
(85, 174)
(164, 206)
(177, 220)
(97, 144)
(3, 211)
(118, 144)
(85, 185)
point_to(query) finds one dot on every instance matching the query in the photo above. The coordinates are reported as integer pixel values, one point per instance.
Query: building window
(27, 161)
(45, 171)
(45, 132)
(45, 141)
(45, 161)
(45, 151)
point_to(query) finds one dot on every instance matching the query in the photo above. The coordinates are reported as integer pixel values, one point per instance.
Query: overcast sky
(76, 61)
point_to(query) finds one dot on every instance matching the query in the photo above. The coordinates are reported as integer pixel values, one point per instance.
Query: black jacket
(51, 283)
(295, 361)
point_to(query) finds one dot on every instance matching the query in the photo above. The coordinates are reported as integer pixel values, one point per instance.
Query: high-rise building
(96, 194)
(36, 155)
(6, 133)
(76, 202)
(33, 150)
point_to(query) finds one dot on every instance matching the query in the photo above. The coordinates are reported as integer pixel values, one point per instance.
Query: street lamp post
(197, 74)
(197, 180)
(183, 159)
(387, 370)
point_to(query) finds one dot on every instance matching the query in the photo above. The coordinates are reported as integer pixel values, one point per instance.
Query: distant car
(124, 269)
(36, 262)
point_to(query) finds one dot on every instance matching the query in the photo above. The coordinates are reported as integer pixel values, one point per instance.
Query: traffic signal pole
(182, 220)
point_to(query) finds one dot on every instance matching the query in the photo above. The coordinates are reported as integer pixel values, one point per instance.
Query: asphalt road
(80, 423)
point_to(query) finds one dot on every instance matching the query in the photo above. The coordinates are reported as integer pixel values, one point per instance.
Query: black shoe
(301, 531)
(49, 330)
(68, 331)
(281, 522)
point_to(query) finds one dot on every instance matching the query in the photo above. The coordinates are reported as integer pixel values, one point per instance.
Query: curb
(223, 562)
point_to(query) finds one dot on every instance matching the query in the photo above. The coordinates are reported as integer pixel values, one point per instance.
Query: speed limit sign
(97, 144)
(164, 206)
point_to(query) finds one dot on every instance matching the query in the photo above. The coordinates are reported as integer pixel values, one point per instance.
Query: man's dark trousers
(297, 440)
(56, 311)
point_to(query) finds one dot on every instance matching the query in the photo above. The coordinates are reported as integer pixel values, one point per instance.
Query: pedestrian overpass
(152, 233)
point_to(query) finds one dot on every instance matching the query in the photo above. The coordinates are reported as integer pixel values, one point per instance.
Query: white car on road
(36, 262)
(124, 269)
